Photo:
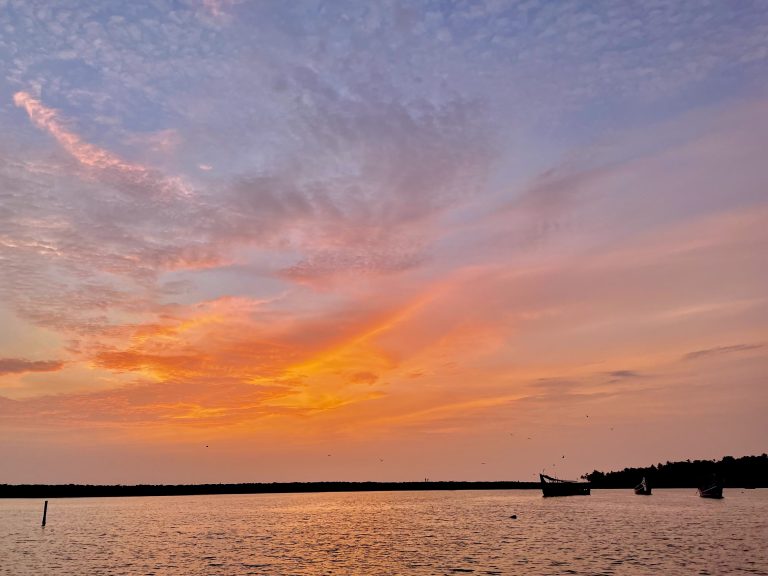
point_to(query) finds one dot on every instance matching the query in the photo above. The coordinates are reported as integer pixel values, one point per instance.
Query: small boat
(712, 489)
(643, 489)
(556, 487)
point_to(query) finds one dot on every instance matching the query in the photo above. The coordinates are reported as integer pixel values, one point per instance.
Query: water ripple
(385, 533)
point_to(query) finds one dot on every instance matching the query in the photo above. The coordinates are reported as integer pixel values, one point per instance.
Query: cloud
(190, 403)
(358, 157)
(321, 267)
(91, 266)
(85, 241)
(622, 374)
(20, 366)
(133, 178)
(364, 378)
(216, 7)
(721, 350)
(87, 154)
(375, 177)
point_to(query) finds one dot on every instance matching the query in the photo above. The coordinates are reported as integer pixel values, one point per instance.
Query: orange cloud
(236, 345)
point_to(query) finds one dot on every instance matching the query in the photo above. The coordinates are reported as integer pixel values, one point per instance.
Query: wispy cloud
(133, 177)
(20, 365)
(217, 7)
(721, 350)
(623, 374)
(47, 119)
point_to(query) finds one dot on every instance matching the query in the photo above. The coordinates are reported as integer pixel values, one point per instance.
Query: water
(389, 533)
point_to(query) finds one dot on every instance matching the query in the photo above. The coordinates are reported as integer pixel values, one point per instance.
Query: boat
(555, 487)
(711, 489)
(643, 489)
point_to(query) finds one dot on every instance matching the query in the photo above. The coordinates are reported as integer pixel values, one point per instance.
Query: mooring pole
(45, 511)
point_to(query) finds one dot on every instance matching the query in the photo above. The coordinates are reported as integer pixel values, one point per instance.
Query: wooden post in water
(45, 511)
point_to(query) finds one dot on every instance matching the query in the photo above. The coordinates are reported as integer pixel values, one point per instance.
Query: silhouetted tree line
(744, 472)
(85, 490)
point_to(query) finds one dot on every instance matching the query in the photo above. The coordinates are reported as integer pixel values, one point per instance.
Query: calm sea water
(392, 533)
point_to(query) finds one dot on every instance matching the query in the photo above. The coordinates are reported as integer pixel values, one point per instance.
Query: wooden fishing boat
(555, 487)
(643, 489)
(711, 489)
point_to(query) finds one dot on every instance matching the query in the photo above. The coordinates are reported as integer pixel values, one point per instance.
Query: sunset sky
(275, 241)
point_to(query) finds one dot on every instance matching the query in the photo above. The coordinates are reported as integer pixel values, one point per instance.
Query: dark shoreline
(9, 491)
(744, 472)
(92, 491)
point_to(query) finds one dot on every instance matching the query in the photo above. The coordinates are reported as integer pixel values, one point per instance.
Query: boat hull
(712, 488)
(571, 491)
(643, 489)
(551, 487)
(715, 492)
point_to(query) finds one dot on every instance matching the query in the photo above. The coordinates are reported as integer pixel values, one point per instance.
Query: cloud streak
(87, 154)
(132, 177)
(20, 366)
(721, 350)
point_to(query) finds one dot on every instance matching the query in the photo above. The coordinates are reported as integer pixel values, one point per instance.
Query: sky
(250, 241)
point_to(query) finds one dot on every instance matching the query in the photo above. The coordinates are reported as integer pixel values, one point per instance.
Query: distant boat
(711, 489)
(556, 487)
(644, 489)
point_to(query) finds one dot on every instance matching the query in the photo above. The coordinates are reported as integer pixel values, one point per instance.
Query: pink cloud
(106, 164)
(217, 8)
(47, 119)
